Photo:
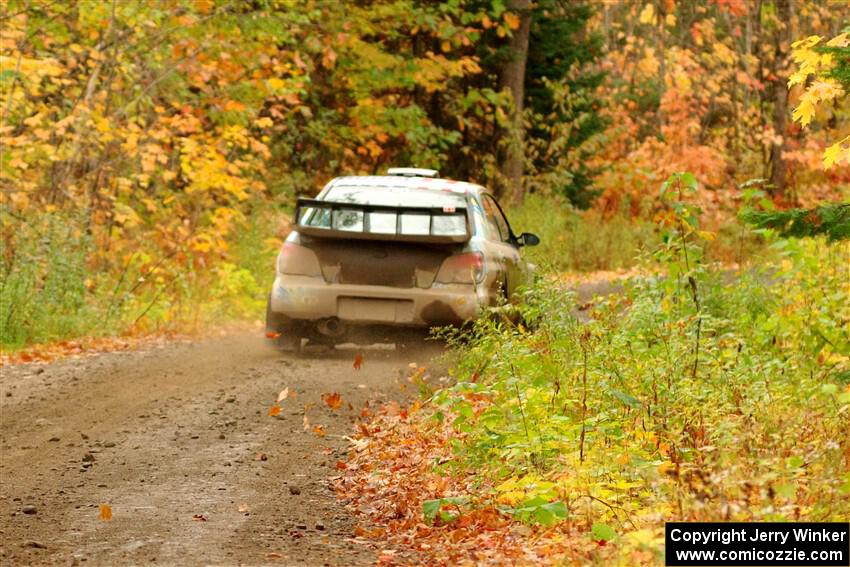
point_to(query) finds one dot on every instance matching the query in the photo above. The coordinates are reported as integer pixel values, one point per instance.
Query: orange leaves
(105, 512)
(274, 411)
(272, 335)
(512, 20)
(332, 400)
(328, 58)
(358, 361)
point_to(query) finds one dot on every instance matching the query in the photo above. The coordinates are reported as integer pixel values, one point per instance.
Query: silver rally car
(391, 253)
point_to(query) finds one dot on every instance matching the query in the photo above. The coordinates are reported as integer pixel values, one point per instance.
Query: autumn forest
(694, 154)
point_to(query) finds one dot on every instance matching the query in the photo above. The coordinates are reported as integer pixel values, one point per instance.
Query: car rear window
(412, 224)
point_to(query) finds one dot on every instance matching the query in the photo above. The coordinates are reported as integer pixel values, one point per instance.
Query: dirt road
(178, 441)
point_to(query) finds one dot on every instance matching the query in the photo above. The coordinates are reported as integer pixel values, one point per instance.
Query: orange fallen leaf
(341, 465)
(272, 335)
(333, 400)
(274, 411)
(105, 512)
(319, 430)
(306, 423)
(199, 518)
(273, 555)
(358, 361)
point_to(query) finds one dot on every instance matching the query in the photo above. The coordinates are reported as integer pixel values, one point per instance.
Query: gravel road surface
(178, 441)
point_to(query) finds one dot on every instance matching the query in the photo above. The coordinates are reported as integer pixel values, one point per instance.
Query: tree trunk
(513, 79)
(780, 95)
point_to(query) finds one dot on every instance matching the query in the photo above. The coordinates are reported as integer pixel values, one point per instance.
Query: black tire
(289, 339)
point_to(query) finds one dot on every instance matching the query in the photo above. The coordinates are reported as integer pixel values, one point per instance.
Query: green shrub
(734, 407)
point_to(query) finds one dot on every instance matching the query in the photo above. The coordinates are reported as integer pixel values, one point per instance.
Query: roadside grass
(583, 241)
(57, 285)
(658, 408)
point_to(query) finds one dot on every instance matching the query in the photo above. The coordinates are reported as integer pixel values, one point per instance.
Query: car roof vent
(412, 172)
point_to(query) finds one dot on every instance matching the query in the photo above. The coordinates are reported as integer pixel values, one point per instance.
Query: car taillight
(462, 268)
(296, 260)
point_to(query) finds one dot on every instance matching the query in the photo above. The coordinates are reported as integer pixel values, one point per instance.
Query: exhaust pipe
(330, 327)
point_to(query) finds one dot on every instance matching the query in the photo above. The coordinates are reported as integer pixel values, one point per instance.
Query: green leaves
(433, 509)
(538, 510)
(602, 532)
(681, 181)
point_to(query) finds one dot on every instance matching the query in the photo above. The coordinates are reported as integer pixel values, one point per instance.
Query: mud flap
(289, 339)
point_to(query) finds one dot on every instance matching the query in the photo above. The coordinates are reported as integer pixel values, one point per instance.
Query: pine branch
(831, 219)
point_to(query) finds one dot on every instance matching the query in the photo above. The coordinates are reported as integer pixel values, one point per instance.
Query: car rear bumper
(311, 299)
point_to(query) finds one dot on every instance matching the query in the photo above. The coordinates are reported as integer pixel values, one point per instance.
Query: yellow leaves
(822, 91)
(647, 15)
(818, 92)
(435, 69)
(511, 498)
(125, 215)
(648, 65)
(102, 125)
(724, 54)
(841, 40)
(809, 61)
(836, 153)
(275, 84)
(201, 243)
(264, 122)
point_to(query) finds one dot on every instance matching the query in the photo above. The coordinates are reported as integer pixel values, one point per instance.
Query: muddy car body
(390, 253)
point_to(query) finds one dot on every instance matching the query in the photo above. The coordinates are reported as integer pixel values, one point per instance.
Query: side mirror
(528, 239)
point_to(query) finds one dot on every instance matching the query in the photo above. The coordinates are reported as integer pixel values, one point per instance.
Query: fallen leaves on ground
(333, 400)
(199, 518)
(391, 473)
(283, 395)
(105, 512)
(91, 346)
(274, 411)
(319, 430)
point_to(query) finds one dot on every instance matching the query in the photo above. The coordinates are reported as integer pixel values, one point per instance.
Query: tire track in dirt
(173, 440)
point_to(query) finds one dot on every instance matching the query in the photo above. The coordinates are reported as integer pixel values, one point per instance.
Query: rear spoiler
(334, 219)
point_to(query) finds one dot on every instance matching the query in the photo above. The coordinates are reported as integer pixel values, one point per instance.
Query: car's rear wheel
(288, 337)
